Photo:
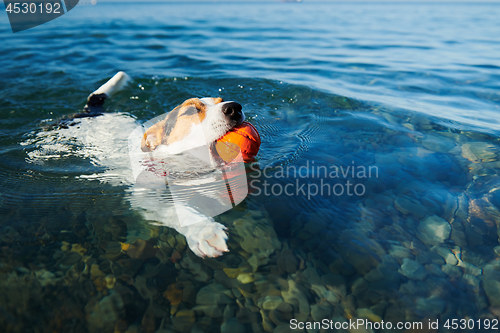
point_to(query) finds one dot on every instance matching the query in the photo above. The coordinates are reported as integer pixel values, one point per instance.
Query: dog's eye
(190, 111)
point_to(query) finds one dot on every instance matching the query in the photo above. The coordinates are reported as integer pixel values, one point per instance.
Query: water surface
(408, 91)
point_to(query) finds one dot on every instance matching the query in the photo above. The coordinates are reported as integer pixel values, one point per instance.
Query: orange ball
(244, 138)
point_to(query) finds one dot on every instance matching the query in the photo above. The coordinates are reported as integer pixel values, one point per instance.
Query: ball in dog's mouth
(244, 138)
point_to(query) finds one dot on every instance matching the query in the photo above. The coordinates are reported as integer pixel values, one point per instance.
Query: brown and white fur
(194, 123)
(193, 126)
(186, 137)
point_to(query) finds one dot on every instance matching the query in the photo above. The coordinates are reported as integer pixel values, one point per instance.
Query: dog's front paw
(207, 239)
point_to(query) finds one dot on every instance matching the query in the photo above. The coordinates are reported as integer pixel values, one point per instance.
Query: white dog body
(174, 175)
(182, 142)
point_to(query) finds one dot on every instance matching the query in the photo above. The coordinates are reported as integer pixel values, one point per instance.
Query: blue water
(408, 89)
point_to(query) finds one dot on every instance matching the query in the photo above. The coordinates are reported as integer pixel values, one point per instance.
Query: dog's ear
(169, 122)
(218, 100)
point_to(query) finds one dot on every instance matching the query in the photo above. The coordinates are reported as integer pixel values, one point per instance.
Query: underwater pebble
(495, 197)
(267, 324)
(497, 250)
(473, 281)
(326, 294)
(103, 316)
(112, 250)
(412, 269)
(211, 310)
(479, 152)
(70, 259)
(270, 302)
(282, 328)
(213, 294)
(491, 283)
(368, 314)
(470, 268)
(232, 273)
(110, 281)
(97, 277)
(438, 143)
(434, 269)
(173, 294)
(409, 206)
(245, 278)
(194, 266)
(428, 257)
(359, 250)
(432, 304)
(232, 326)
(257, 238)
(400, 252)
(183, 320)
(278, 317)
(448, 256)
(454, 272)
(45, 277)
(409, 126)
(287, 262)
(320, 311)
(297, 298)
(433, 230)
(140, 249)
(229, 312)
(78, 248)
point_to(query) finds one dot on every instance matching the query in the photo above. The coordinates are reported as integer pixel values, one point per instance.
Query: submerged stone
(246, 278)
(491, 283)
(454, 272)
(141, 249)
(232, 326)
(448, 256)
(112, 250)
(103, 316)
(409, 206)
(110, 281)
(433, 230)
(45, 277)
(297, 298)
(195, 266)
(439, 144)
(495, 197)
(360, 251)
(368, 314)
(173, 294)
(183, 320)
(213, 294)
(287, 262)
(496, 249)
(412, 269)
(270, 302)
(257, 239)
(400, 252)
(209, 310)
(320, 311)
(479, 152)
(432, 304)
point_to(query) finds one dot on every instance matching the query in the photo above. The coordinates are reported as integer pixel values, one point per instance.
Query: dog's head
(197, 119)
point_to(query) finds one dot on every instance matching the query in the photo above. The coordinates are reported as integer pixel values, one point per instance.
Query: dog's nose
(231, 109)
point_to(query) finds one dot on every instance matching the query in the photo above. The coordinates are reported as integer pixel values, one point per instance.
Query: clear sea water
(411, 90)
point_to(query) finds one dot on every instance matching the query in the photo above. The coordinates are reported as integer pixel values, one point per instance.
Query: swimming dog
(178, 179)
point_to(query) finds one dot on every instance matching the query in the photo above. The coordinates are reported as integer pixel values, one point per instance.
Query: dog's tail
(95, 101)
